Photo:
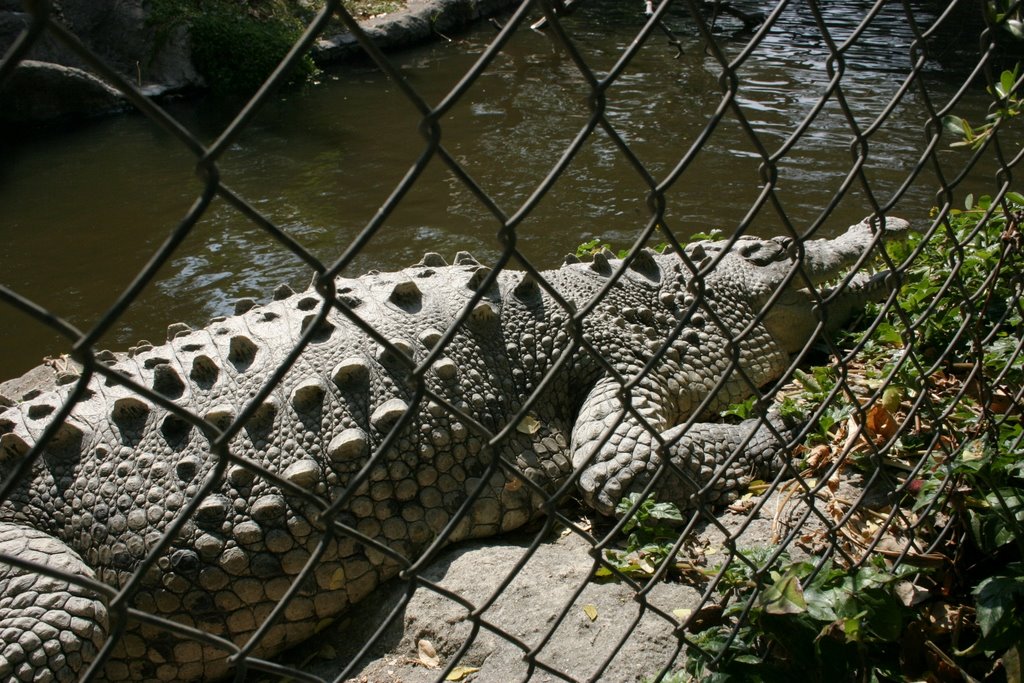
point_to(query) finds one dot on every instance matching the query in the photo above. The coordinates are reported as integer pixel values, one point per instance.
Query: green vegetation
(652, 530)
(1008, 105)
(236, 45)
(937, 593)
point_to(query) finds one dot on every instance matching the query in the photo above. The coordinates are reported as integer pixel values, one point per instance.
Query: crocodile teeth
(388, 413)
(283, 291)
(570, 259)
(350, 444)
(464, 258)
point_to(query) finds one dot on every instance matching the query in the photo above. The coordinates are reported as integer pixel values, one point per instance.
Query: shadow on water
(84, 209)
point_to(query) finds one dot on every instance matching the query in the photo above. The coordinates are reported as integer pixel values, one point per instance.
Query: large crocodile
(220, 514)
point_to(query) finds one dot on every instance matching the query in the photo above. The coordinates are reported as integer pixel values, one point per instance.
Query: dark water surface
(82, 211)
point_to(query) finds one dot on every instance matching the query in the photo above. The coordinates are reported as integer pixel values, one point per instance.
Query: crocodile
(188, 509)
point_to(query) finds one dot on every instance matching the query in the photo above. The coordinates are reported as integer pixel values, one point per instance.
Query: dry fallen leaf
(460, 672)
(528, 425)
(427, 654)
(880, 423)
(820, 456)
(742, 506)
(590, 611)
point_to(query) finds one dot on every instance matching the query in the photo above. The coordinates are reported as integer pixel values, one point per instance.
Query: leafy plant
(949, 350)
(236, 45)
(796, 618)
(652, 531)
(1007, 105)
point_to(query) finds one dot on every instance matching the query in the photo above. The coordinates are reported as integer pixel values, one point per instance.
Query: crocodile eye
(762, 253)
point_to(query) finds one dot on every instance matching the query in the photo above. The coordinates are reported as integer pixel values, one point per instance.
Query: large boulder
(120, 32)
(48, 92)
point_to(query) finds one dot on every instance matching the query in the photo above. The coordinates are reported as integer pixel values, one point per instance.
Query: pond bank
(55, 85)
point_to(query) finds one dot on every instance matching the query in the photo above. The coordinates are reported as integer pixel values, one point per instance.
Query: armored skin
(161, 535)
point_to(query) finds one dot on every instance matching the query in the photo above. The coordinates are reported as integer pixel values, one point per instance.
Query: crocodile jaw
(804, 307)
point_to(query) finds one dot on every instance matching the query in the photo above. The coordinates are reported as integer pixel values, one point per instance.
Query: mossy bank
(180, 47)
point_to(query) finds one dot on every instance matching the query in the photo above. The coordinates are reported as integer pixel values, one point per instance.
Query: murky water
(82, 211)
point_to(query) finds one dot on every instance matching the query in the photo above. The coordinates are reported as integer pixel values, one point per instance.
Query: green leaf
(1015, 27)
(785, 596)
(999, 604)
(741, 410)
(955, 125)
(1006, 80)
(585, 248)
(851, 627)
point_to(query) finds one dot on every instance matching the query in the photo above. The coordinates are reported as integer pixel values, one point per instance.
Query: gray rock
(527, 609)
(121, 34)
(43, 91)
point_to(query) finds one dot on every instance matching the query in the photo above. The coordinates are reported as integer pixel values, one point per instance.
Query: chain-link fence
(683, 457)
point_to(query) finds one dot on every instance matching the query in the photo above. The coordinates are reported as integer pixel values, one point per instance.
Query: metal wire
(920, 533)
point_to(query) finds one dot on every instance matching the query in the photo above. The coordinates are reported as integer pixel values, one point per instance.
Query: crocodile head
(800, 287)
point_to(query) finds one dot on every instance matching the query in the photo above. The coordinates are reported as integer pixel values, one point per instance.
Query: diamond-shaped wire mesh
(193, 509)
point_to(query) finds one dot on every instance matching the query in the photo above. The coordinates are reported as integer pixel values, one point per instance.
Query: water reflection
(83, 210)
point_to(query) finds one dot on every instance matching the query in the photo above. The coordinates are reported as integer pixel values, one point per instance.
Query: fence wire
(191, 510)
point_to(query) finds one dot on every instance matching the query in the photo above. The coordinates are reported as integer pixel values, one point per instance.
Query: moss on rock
(236, 44)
